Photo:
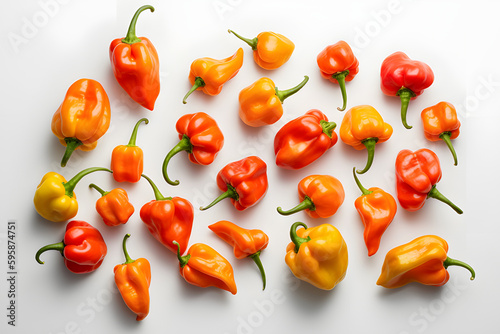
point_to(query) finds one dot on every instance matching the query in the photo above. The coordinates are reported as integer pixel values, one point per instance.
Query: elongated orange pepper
(82, 118)
(209, 75)
(441, 123)
(363, 127)
(320, 196)
(113, 206)
(422, 260)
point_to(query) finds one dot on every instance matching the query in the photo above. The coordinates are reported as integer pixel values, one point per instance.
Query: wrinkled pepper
(317, 255)
(338, 64)
(320, 196)
(209, 75)
(82, 118)
(243, 181)
(168, 219)
(376, 209)
(270, 50)
(245, 242)
(200, 137)
(363, 127)
(423, 260)
(303, 140)
(406, 78)
(204, 267)
(417, 174)
(113, 206)
(82, 248)
(441, 123)
(136, 65)
(261, 102)
(127, 161)
(54, 198)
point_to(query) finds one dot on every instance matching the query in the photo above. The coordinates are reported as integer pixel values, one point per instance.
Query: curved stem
(328, 127)
(360, 186)
(230, 192)
(252, 42)
(445, 136)
(183, 145)
(71, 145)
(256, 258)
(183, 260)
(133, 137)
(306, 204)
(158, 195)
(198, 82)
(452, 262)
(370, 147)
(128, 259)
(295, 238)
(434, 193)
(340, 77)
(405, 94)
(283, 94)
(102, 192)
(131, 37)
(58, 246)
(71, 184)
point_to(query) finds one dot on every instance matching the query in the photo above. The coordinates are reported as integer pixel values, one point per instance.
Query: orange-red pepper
(261, 102)
(82, 118)
(441, 123)
(113, 206)
(209, 75)
(136, 65)
(245, 242)
(320, 196)
(270, 50)
(200, 137)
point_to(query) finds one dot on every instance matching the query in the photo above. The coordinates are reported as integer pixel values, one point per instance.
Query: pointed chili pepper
(261, 102)
(320, 196)
(209, 75)
(82, 118)
(54, 197)
(270, 50)
(303, 140)
(127, 161)
(113, 206)
(136, 64)
(200, 137)
(338, 64)
(417, 174)
(243, 181)
(133, 278)
(82, 248)
(406, 78)
(441, 123)
(245, 242)
(422, 260)
(168, 219)
(363, 127)
(377, 209)
(204, 267)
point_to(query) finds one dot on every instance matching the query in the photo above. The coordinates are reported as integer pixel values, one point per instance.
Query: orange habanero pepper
(113, 206)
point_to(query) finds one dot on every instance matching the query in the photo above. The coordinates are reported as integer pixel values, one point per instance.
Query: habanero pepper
(113, 206)
(200, 137)
(82, 248)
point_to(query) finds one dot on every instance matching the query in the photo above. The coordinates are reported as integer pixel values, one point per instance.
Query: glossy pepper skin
(320, 196)
(245, 242)
(363, 127)
(54, 198)
(317, 255)
(376, 209)
(338, 64)
(127, 161)
(270, 50)
(441, 123)
(417, 174)
(82, 118)
(303, 140)
(243, 181)
(168, 219)
(209, 75)
(203, 266)
(133, 278)
(261, 103)
(113, 206)
(200, 137)
(406, 78)
(82, 248)
(422, 260)
(136, 65)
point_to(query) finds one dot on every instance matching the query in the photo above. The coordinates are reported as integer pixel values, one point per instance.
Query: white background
(47, 45)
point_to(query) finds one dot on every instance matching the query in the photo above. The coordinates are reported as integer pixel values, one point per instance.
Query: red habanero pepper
(113, 206)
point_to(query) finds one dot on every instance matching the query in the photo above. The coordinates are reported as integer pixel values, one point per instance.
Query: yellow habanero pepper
(317, 255)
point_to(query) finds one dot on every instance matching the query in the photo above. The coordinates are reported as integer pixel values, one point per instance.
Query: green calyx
(131, 37)
(71, 145)
(306, 204)
(102, 192)
(158, 195)
(58, 246)
(434, 193)
(452, 262)
(256, 258)
(370, 148)
(445, 136)
(295, 238)
(360, 186)
(183, 260)
(128, 259)
(133, 137)
(183, 145)
(198, 83)
(405, 95)
(229, 193)
(328, 127)
(71, 184)
(251, 42)
(283, 94)
(340, 77)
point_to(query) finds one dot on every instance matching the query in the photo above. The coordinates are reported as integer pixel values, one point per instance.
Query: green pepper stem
(405, 94)
(58, 246)
(434, 193)
(340, 77)
(283, 94)
(295, 238)
(328, 127)
(128, 259)
(183, 145)
(360, 186)
(71, 184)
(252, 42)
(370, 147)
(102, 192)
(452, 262)
(133, 137)
(198, 82)
(131, 37)
(306, 204)
(183, 260)
(158, 195)
(256, 258)
(230, 192)
(445, 136)
(71, 145)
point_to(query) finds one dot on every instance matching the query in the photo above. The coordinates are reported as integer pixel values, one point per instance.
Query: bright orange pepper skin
(113, 206)
(82, 118)
(422, 260)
